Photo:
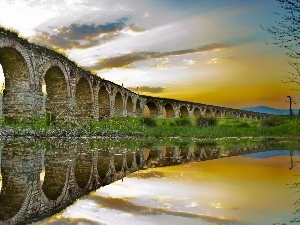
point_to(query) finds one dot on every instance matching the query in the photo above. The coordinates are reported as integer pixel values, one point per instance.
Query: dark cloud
(58, 42)
(83, 35)
(88, 31)
(135, 29)
(147, 89)
(124, 61)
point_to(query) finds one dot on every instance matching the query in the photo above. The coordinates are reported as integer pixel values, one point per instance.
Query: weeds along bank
(277, 126)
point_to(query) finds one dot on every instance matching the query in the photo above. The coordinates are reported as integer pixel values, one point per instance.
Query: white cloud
(189, 61)
(22, 17)
(160, 39)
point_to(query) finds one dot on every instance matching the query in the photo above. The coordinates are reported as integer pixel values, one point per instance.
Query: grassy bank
(155, 127)
(223, 127)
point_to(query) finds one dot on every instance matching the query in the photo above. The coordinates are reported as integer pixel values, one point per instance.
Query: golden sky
(206, 51)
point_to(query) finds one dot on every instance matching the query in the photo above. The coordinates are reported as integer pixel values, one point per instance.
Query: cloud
(165, 64)
(135, 29)
(80, 36)
(219, 60)
(191, 62)
(124, 61)
(87, 31)
(147, 89)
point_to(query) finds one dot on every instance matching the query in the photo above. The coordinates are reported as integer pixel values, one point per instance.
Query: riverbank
(278, 126)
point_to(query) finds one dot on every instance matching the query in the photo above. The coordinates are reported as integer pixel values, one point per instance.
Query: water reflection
(0, 171)
(38, 179)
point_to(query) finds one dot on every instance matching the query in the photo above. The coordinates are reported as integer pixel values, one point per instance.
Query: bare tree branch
(286, 35)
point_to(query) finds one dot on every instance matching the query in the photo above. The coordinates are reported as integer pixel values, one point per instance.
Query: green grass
(162, 128)
(177, 127)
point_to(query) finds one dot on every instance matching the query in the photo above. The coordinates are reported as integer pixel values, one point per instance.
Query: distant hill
(265, 109)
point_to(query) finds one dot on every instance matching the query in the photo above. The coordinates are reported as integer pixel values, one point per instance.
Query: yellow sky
(238, 82)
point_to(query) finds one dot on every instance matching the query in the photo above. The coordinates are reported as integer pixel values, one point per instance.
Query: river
(254, 182)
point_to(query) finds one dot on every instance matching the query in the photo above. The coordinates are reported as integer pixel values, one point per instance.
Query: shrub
(206, 121)
(271, 121)
(172, 124)
(206, 143)
(243, 125)
(183, 122)
(40, 123)
(149, 122)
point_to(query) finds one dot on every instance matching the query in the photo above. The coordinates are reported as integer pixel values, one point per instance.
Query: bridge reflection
(38, 179)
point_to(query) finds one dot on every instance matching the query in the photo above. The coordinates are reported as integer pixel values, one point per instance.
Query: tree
(286, 34)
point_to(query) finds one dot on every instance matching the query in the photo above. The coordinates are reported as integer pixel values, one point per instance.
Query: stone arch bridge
(73, 93)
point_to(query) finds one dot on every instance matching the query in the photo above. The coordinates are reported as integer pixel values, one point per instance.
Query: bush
(271, 121)
(206, 143)
(243, 125)
(206, 121)
(183, 122)
(40, 123)
(149, 122)
(172, 124)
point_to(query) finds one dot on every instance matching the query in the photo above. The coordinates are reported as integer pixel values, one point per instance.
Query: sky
(209, 51)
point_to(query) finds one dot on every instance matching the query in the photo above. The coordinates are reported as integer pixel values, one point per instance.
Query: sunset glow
(212, 52)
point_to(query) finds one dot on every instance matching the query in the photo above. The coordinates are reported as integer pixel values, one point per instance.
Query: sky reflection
(233, 190)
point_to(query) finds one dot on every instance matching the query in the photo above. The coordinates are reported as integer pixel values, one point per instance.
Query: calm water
(200, 182)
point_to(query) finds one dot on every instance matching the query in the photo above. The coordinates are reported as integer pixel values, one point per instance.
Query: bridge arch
(258, 117)
(22, 50)
(235, 114)
(218, 113)
(197, 112)
(84, 99)
(119, 160)
(14, 187)
(103, 162)
(118, 106)
(57, 64)
(130, 157)
(170, 110)
(56, 175)
(227, 113)
(244, 115)
(183, 112)
(56, 89)
(83, 166)
(18, 98)
(151, 109)
(207, 112)
(104, 102)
